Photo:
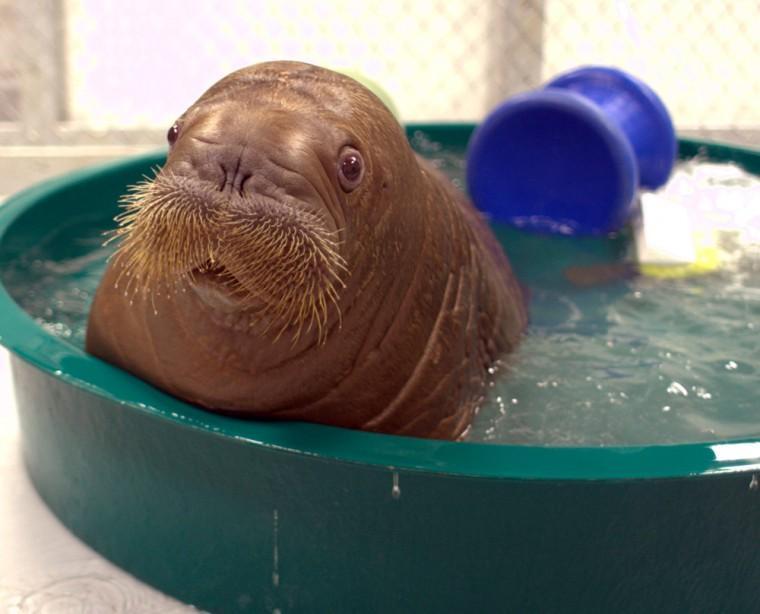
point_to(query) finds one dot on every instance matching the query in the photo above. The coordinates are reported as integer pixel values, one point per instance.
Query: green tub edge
(232, 527)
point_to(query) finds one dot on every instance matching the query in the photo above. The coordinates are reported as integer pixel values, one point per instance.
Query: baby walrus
(294, 259)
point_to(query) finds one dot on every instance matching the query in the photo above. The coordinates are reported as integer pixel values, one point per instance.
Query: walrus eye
(172, 135)
(350, 169)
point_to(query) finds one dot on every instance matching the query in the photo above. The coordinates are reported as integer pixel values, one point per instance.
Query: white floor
(43, 567)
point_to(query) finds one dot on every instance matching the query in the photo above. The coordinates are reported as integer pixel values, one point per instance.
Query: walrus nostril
(234, 180)
(245, 178)
(225, 178)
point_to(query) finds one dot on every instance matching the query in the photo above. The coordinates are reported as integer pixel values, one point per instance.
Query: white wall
(140, 63)
(145, 61)
(701, 56)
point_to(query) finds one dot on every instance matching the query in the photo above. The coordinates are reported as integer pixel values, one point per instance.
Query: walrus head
(254, 206)
(295, 259)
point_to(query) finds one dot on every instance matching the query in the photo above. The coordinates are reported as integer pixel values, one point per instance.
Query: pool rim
(59, 359)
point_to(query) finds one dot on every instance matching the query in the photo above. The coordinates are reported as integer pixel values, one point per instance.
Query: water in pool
(630, 362)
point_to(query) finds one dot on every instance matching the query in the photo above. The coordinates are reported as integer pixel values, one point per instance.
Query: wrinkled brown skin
(430, 300)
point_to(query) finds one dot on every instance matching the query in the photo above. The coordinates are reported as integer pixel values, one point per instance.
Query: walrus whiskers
(289, 259)
(150, 251)
(277, 256)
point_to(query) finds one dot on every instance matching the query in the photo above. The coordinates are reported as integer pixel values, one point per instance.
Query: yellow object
(708, 260)
(373, 87)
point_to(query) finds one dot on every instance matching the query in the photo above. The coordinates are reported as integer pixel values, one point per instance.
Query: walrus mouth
(271, 258)
(219, 292)
(218, 277)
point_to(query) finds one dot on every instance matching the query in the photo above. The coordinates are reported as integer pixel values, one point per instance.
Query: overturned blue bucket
(570, 158)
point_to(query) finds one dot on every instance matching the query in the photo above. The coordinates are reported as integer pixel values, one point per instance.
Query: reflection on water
(57, 291)
(654, 362)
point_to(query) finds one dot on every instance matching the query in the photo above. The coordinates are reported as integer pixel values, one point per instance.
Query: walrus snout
(231, 147)
(227, 167)
(238, 160)
(273, 254)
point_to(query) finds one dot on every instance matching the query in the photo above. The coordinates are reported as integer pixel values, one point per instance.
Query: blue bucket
(569, 158)
(636, 110)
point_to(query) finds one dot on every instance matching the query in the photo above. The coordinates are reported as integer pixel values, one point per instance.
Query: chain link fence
(82, 79)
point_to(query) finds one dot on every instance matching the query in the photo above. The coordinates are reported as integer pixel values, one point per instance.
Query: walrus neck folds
(279, 262)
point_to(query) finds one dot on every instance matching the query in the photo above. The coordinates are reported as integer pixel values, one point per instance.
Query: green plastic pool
(234, 515)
